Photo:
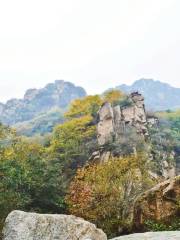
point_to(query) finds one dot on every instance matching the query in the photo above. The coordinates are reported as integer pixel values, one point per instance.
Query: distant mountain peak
(158, 95)
(58, 94)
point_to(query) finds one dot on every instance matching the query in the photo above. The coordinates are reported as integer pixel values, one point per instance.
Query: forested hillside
(64, 174)
(41, 109)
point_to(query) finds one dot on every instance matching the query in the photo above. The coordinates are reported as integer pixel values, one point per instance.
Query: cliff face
(128, 127)
(114, 120)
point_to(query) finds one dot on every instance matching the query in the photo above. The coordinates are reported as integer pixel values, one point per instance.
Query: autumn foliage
(104, 193)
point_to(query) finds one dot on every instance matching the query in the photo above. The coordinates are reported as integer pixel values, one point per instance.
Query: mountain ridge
(37, 101)
(159, 96)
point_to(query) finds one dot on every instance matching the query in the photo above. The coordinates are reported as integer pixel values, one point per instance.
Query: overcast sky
(94, 43)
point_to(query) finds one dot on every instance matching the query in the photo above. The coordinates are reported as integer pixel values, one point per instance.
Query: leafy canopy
(104, 193)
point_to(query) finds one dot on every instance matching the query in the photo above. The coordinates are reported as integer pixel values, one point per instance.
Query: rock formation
(160, 203)
(113, 120)
(151, 236)
(31, 226)
(126, 126)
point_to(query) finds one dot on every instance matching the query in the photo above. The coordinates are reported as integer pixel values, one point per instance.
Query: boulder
(161, 203)
(151, 236)
(32, 226)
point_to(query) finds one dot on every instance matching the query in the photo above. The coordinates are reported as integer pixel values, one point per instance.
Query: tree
(71, 146)
(104, 193)
(28, 179)
(86, 106)
(113, 96)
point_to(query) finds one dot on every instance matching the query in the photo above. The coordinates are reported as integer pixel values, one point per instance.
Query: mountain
(39, 107)
(158, 95)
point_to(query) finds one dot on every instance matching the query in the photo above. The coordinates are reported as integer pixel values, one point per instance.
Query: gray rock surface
(105, 127)
(112, 120)
(151, 236)
(32, 226)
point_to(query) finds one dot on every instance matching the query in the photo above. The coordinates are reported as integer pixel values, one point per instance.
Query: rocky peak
(37, 101)
(114, 119)
(158, 95)
(30, 94)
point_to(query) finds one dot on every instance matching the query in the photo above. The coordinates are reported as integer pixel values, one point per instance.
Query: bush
(171, 225)
(104, 193)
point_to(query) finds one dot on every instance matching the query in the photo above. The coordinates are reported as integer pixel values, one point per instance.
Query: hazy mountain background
(41, 109)
(159, 96)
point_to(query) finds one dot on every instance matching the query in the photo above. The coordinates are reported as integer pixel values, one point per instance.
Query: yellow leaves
(69, 139)
(77, 128)
(86, 106)
(91, 104)
(6, 132)
(99, 192)
(113, 96)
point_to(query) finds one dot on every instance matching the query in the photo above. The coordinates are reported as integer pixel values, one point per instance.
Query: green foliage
(126, 102)
(165, 139)
(86, 106)
(113, 96)
(44, 174)
(41, 124)
(129, 143)
(105, 193)
(170, 225)
(72, 143)
(28, 180)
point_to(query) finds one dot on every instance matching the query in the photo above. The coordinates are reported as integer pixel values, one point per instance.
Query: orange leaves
(104, 193)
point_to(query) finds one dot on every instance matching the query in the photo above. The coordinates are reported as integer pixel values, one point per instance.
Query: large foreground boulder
(32, 226)
(159, 204)
(151, 236)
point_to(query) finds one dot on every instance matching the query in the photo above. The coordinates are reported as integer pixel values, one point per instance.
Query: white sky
(94, 43)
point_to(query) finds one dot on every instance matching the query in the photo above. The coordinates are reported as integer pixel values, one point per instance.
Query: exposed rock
(160, 203)
(151, 236)
(121, 128)
(105, 127)
(38, 101)
(31, 226)
(152, 121)
(30, 94)
(115, 121)
(112, 120)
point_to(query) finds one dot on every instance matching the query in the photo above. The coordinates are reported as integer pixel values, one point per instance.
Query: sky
(96, 44)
